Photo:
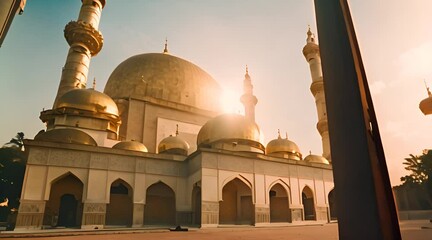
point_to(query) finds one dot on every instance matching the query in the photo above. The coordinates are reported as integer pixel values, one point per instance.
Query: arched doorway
(308, 204)
(279, 204)
(236, 206)
(332, 205)
(67, 211)
(64, 207)
(160, 206)
(196, 205)
(120, 207)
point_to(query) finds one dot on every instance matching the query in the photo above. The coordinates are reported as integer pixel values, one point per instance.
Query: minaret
(312, 55)
(85, 41)
(248, 99)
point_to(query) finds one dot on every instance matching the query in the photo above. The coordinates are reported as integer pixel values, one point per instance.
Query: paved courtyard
(411, 230)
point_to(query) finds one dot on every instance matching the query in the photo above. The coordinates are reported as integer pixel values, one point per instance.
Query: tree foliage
(420, 177)
(12, 168)
(420, 168)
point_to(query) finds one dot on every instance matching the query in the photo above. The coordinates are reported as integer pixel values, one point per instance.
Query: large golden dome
(88, 100)
(66, 135)
(282, 147)
(166, 77)
(232, 128)
(131, 145)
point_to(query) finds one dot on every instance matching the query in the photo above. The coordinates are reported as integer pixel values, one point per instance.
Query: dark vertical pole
(366, 209)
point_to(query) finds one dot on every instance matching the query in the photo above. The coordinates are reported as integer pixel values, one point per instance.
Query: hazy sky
(222, 37)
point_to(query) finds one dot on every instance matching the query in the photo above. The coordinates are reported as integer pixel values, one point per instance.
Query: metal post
(366, 208)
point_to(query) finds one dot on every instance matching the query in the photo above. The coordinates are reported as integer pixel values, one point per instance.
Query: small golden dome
(88, 100)
(232, 128)
(173, 145)
(66, 135)
(316, 159)
(166, 77)
(131, 145)
(426, 106)
(283, 146)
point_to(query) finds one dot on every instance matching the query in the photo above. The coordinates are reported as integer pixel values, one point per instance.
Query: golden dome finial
(177, 133)
(310, 152)
(166, 46)
(310, 36)
(286, 135)
(279, 136)
(247, 72)
(427, 89)
(94, 83)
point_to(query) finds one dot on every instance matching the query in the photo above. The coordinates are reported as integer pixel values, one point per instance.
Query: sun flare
(230, 102)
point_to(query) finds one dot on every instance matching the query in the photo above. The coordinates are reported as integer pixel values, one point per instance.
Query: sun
(230, 102)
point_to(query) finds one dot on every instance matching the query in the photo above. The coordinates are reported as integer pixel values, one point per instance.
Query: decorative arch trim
(284, 185)
(239, 177)
(306, 186)
(60, 176)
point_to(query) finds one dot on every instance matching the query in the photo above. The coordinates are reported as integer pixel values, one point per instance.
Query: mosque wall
(260, 175)
(208, 170)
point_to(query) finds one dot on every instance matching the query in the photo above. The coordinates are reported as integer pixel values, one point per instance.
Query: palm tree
(414, 164)
(16, 142)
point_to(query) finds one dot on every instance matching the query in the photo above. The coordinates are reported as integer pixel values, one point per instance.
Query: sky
(222, 37)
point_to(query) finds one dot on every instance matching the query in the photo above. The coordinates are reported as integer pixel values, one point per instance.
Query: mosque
(154, 149)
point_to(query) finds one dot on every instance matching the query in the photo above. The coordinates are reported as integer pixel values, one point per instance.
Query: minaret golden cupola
(85, 41)
(248, 100)
(312, 55)
(426, 104)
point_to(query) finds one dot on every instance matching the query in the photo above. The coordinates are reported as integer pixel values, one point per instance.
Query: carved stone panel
(321, 213)
(38, 156)
(296, 214)
(121, 163)
(69, 158)
(210, 213)
(30, 215)
(162, 167)
(140, 166)
(94, 214)
(99, 161)
(262, 215)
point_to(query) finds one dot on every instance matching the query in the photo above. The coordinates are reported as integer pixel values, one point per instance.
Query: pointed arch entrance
(308, 204)
(196, 205)
(120, 206)
(236, 206)
(332, 205)
(279, 204)
(160, 207)
(64, 207)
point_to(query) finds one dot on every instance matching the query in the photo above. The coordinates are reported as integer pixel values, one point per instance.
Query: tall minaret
(85, 41)
(312, 55)
(248, 99)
